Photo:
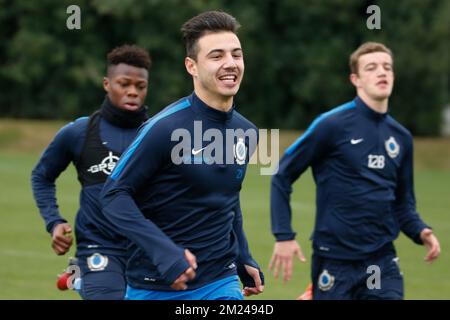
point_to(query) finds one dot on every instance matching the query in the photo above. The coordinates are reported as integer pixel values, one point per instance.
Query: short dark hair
(129, 54)
(206, 22)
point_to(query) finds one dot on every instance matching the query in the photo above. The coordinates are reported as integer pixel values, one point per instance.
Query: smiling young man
(184, 218)
(94, 144)
(362, 162)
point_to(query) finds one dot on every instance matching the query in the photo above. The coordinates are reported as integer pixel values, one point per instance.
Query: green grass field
(28, 266)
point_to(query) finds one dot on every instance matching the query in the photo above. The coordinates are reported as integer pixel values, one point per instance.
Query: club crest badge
(97, 262)
(326, 281)
(240, 151)
(392, 147)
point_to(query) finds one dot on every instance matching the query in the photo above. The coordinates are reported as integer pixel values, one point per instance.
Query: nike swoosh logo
(356, 141)
(194, 152)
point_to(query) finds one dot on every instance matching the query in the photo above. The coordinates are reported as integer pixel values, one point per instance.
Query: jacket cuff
(51, 225)
(416, 237)
(285, 236)
(176, 270)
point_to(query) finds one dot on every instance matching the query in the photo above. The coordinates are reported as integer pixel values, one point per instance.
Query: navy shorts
(378, 277)
(102, 277)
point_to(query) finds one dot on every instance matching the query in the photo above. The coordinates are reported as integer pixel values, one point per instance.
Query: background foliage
(296, 55)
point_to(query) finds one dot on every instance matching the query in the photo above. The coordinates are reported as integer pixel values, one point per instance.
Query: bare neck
(377, 105)
(214, 101)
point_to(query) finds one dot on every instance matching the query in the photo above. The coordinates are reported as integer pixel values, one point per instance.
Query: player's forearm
(125, 218)
(44, 192)
(411, 225)
(245, 256)
(405, 205)
(280, 210)
(409, 220)
(298, 157)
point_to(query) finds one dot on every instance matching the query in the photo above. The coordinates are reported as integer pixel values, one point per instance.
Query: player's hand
(282, 257)
(61, 238)
(431, 243)
(254, 273)
(188, 274)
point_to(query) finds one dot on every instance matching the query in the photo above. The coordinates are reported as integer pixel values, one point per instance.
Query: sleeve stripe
(130, 150)
(314, 124)
(81, 118)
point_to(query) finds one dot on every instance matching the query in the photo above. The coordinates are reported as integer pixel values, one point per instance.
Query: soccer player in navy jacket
(94, 144)
(362, 163)
(180, 206)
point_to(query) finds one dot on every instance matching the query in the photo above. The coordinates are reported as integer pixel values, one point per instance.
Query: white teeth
(228, 78)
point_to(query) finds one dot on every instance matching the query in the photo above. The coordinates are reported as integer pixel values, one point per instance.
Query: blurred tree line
(296, 55)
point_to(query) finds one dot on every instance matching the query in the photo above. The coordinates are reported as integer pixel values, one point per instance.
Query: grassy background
(28, 266)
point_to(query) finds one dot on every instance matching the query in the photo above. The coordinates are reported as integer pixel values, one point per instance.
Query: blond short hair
(365, 48)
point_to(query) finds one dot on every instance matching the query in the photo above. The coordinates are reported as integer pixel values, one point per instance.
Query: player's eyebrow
(237, 50)
(222, 51)
(369, 65)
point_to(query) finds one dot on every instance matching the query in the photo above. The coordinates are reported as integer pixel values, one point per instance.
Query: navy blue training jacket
(91, 235)
(362, 163)
(164, 208)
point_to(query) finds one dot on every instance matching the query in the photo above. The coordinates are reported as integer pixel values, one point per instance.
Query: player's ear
(354, 79)
(106, 84)
(191, 66)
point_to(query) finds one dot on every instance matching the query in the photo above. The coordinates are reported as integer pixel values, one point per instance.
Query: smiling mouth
(230, 79)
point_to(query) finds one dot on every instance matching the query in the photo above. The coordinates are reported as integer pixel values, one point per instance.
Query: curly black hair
(131, 55)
